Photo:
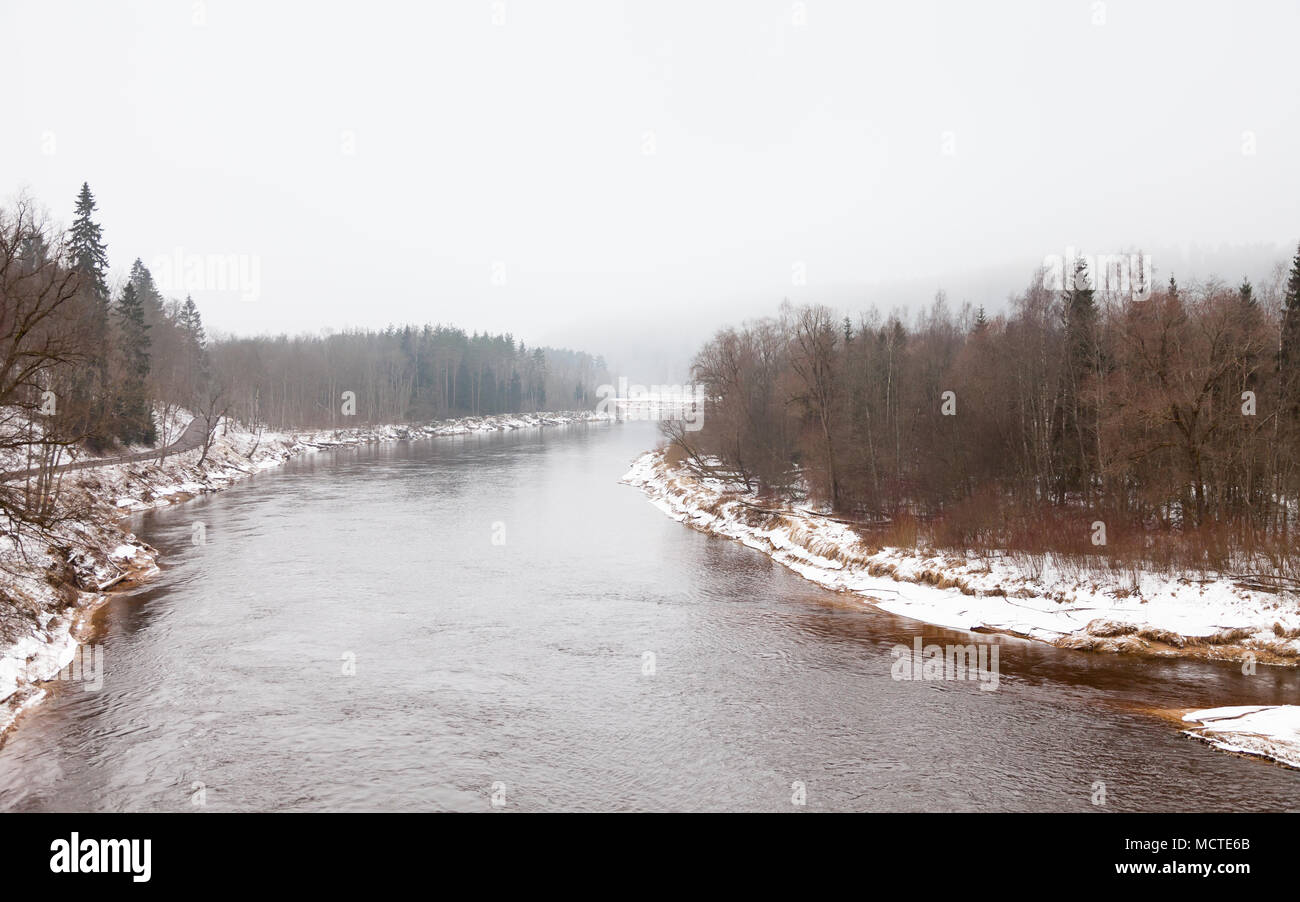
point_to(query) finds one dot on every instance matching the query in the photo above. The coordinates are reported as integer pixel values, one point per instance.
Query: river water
(458, 623)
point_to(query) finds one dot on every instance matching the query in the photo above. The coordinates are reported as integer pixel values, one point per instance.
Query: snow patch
(1268, 731)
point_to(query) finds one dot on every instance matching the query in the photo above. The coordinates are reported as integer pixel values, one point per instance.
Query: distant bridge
(654, 408)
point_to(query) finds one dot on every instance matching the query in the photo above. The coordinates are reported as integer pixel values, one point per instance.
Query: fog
(625, 177)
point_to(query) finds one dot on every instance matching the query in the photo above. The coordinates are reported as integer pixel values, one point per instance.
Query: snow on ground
(1141, 613)
(1269, 731)
(50, 583)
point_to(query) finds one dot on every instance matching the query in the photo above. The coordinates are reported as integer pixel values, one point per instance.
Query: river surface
(453, 623)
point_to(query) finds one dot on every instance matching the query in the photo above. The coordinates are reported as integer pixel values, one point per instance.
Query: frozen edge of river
(99, 552)
(1164, 617)
(1263, 731)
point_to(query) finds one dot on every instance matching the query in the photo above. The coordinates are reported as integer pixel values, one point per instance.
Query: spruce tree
(1288, 350)
(1075, 438)
(133, 409)
(515, 396)
(192, 324)
(538, 387)
(86, 247)
(1081, 321)
(1246, 292)
(1248, 305)
(88, 257)
(151, 300)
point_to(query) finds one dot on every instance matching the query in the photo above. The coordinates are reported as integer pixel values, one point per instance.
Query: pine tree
(88, 257)
(1288, 351)
(1246, 292)
(462, 398)
(537, 379)
(132, 407)
(86, 247)
(1250, 314)
(1081, 321)
(151, 299)
(515, 396)
(192, 324)
(1076, 436)
(981, 321)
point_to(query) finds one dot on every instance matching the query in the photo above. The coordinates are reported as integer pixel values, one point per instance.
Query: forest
(86, 363)
(1169, 416)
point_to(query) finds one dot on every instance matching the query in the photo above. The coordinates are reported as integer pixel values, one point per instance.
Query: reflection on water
(352, 638)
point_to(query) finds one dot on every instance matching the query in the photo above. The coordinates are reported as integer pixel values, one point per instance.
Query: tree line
(1150, 412)
(87, 363)
(406, 374)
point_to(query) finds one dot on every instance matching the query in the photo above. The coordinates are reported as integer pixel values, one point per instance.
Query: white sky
(774, 145)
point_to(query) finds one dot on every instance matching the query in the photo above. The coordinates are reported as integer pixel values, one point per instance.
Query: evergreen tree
(538, 379)
(151, 300)
(515, 398)
(981, 321)
(86, 247)
(192, 324)
(1288, 351)
(462, 399)
(1076, 435)
(133, 409)
(1246, 292)
(1250, 315)
(1081, 322)
(88, 257)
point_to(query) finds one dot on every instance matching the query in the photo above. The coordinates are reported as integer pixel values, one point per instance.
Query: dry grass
(982, 526)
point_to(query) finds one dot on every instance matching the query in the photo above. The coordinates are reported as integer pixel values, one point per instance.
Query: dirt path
(190, 439)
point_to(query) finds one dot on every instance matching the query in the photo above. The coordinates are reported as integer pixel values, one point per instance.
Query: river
(453, 623)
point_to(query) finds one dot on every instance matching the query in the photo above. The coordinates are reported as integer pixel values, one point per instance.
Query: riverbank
(1257, 731)
(51, 582)
(1157, 615)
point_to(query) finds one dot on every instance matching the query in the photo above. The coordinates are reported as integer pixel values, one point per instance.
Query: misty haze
(647, 407)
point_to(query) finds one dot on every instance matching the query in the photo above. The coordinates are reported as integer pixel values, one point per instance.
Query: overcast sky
(624, 176)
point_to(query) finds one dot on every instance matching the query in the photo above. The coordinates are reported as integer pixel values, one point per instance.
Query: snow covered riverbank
(1159, 615)
(1265, 731)
(50, 583)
